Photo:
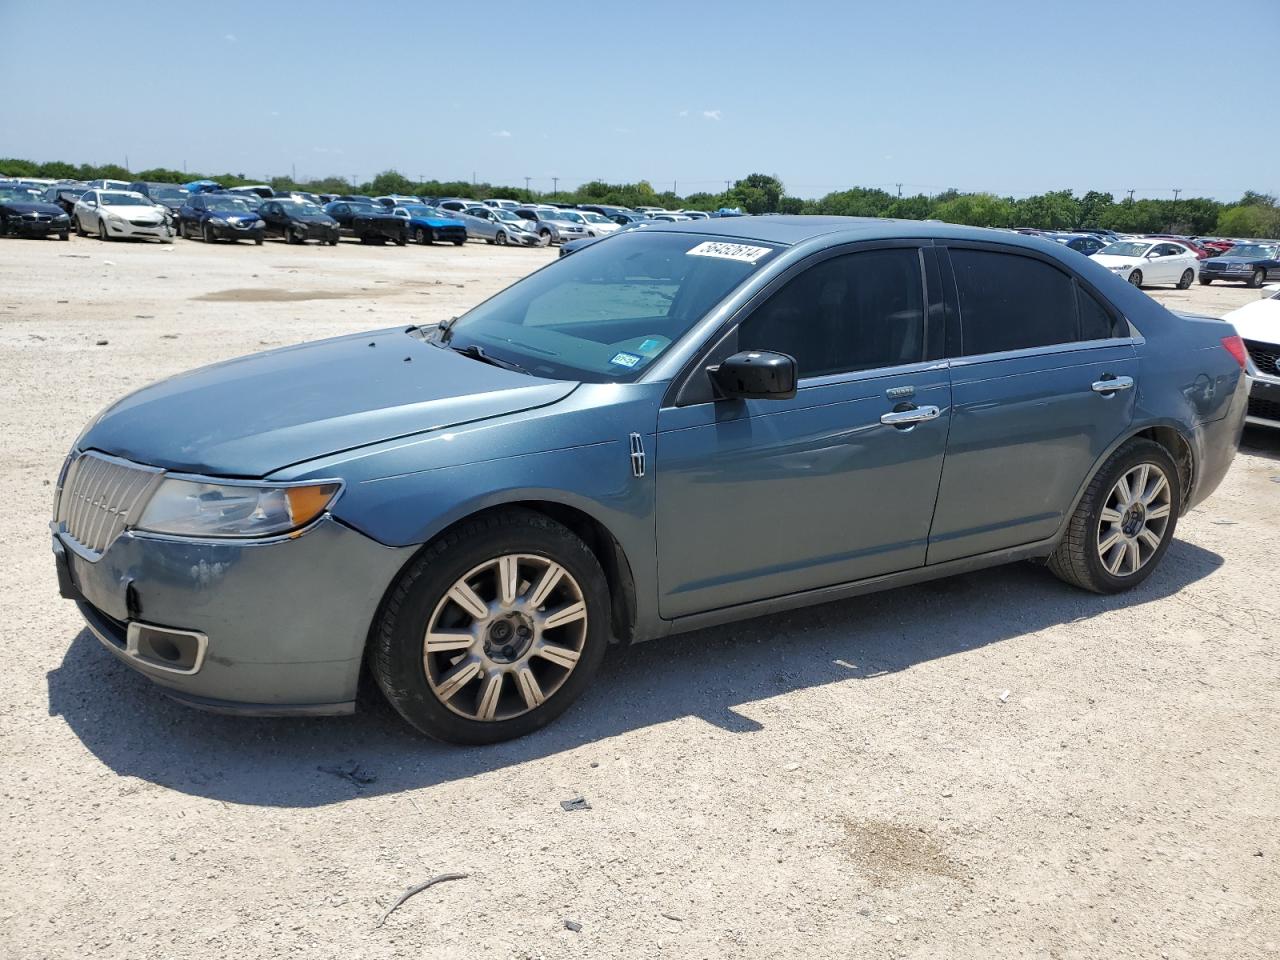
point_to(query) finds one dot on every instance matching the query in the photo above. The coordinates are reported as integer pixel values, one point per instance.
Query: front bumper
(28, 227)
(236, 233)
(283, 621)
(127, 230)
(1264, 402)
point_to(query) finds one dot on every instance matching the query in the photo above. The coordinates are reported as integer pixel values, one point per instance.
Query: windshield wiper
(476, 352)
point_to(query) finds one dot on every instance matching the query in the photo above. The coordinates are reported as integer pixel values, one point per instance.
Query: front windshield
(367, 208)
(300, 208)
(1254, 251)
(124, 200)
(19, 195)
(168, 193)
(605, 314)
(1125, 248)
(228, 205)
(504, 214)
(594, 218)
(573, 215)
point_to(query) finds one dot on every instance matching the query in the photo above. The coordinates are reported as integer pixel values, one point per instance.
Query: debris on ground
(352, 772)
(573, 925)
(1004, 696)
(672, 916)
(100, 343)
(577, 803)
(418, 888)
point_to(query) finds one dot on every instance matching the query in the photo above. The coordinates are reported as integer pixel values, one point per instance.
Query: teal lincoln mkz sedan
(475, 511)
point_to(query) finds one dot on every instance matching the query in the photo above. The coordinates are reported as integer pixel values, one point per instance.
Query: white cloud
(683, 113)
(711, 114)
(230, 38)
(500, 133)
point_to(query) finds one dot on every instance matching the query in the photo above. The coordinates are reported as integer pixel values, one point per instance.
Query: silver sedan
(498, 226)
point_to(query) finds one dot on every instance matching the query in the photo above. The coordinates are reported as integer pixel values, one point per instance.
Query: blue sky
(1011, 97)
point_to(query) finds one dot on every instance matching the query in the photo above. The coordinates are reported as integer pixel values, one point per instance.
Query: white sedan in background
(120, 215)
(1258, 324)
(593, 223)
(1144, 262)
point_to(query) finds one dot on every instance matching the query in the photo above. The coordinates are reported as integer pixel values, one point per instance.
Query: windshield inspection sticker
(625, 359)
(729, 251)
(650, 345)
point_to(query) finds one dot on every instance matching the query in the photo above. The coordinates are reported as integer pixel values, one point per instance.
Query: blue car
(675, 427)
(428, 224)
(1250, 263)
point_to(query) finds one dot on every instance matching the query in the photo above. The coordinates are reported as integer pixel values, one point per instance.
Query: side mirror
(755, 375)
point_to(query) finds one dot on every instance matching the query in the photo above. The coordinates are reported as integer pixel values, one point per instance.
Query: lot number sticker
(729, 251)
(625, 359)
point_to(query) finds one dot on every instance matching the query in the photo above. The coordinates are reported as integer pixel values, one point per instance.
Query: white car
(594, 224)
(501, 204)
(120, 215)
(1258, 324)
(1144, 262)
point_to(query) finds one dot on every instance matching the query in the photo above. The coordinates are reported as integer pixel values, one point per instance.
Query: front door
(1044, 380)
(762, 498)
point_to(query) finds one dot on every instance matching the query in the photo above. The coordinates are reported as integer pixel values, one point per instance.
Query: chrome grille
(100, 496)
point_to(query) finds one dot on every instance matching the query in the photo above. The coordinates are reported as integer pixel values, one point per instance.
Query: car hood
(1226, 258)
(252, 416)
(1258, 321)
(132, 212)
(22, 206)
(1109, 260)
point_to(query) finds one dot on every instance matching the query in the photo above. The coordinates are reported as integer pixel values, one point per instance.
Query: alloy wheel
(1134, 519)
(505, 637)
(1136, 278)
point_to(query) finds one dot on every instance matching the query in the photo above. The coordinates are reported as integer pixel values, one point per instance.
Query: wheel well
(1180, 450)
(609, 553)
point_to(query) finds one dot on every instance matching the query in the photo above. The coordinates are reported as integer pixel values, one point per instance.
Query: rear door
(761, 498)
(1043, 377)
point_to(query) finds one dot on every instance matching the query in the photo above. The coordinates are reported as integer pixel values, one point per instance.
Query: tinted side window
(1008, 302)
(859, 311)
(1095, 322)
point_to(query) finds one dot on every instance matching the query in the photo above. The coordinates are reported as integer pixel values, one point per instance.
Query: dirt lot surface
(989, 766)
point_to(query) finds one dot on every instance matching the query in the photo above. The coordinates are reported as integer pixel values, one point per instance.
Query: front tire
(1124, 523)
(493, 630)
(1205, 281)
(1136, 279)
(1185, 280)
(500, 239)
(102, 230)
(1258, 278)
(80, 230)
(207, 233)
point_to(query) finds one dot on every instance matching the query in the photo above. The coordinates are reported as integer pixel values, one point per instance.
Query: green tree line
(1253, 215)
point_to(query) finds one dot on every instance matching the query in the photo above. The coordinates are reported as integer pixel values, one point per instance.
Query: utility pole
(555, 185)
(1176, 191)
(526, 185)
(726, 186)
(293, 172)
(1131, 194)
(899, 186)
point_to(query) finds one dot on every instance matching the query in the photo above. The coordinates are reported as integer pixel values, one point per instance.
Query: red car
(1196, 248)
(1216, 248)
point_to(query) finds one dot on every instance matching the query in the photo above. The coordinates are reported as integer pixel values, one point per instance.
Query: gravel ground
(994, 765)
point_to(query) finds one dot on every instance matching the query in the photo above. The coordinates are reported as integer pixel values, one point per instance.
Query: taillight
(1235, 346)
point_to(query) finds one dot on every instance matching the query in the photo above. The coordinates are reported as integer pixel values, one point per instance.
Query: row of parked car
(205, 210)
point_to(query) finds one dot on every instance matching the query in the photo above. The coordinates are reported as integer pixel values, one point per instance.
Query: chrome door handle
(1114, 385)
(902, 418)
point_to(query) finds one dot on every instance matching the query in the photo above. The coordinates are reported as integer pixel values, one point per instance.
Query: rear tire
(1185, 280)
(1147, 526)
(1136, 279)
(440, 692)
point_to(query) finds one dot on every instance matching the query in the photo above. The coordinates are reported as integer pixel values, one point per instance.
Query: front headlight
(217, 221)
(192, 508)
(115, 218)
